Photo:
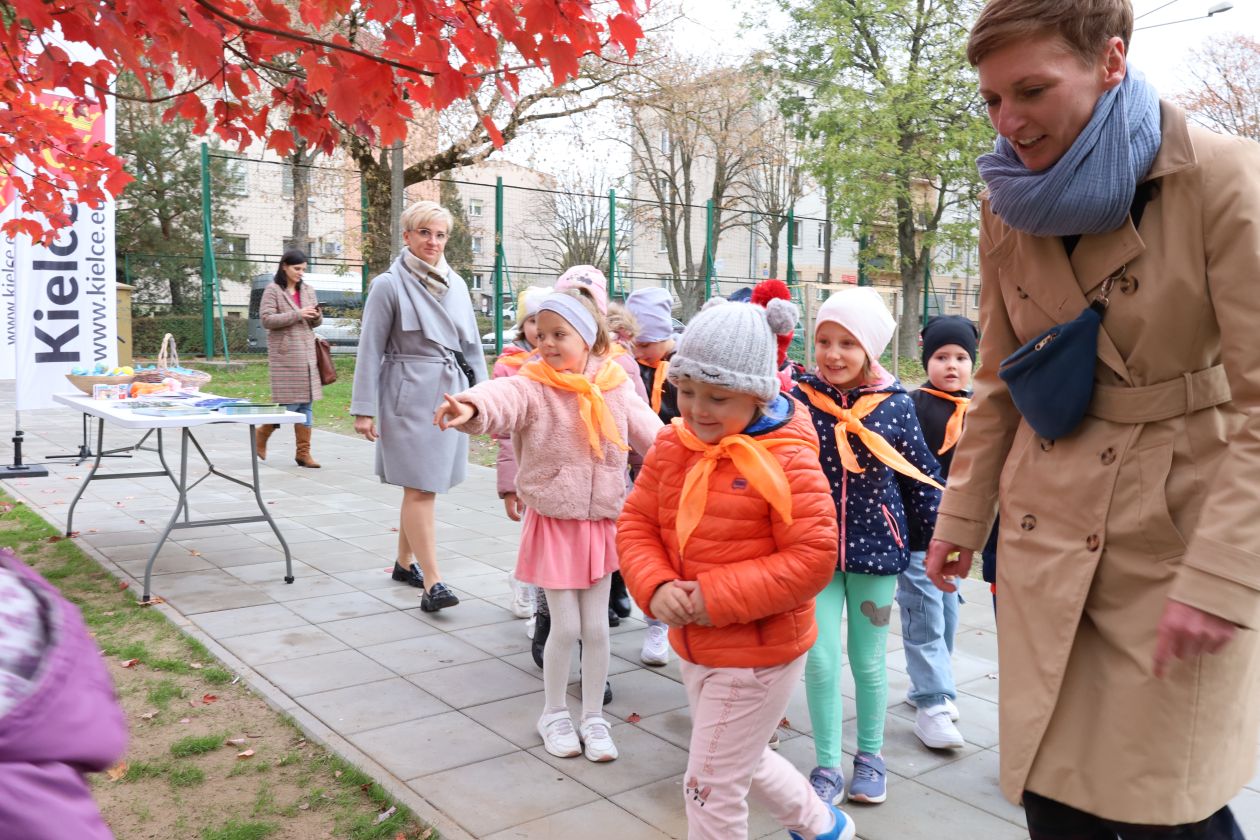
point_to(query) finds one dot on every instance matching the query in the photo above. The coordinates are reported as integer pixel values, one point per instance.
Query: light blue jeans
(303, 408)
(929, 619)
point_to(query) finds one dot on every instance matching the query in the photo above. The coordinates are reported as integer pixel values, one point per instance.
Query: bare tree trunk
(299, 166)
(912, 263)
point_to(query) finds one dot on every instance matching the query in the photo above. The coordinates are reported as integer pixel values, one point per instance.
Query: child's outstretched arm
(737, 593)
(494, 407)
(920, 500)
(645, 564)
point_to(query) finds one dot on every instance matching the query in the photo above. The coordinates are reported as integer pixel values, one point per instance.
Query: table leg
(180, 505)
(262, 506)
(96, 465)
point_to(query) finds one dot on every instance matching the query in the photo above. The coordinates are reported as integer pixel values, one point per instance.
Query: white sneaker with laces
(936, 730)
(559, 737)
(655, 646)
(522, 597)
(949, 704)
(597, 737)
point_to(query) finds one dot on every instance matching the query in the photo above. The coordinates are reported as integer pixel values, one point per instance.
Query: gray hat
(731, 345)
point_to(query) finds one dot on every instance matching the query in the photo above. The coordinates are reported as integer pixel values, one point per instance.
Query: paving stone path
(441, 707)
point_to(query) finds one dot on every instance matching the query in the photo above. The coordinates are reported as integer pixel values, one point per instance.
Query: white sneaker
(936, 730)
(655, 646)
(949, 704)
(559, 737)
(522, 597)
(598, 740)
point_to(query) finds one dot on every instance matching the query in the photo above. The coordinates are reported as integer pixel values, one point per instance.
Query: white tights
(577, 613)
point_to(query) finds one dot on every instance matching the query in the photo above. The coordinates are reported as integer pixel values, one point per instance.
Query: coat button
(1019, 290)
(1091, 542)
(1129, 285)
(1108, 456)
(1028, 522)
(1046, 445)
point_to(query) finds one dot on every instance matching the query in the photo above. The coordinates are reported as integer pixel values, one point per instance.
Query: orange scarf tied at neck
(658, 382)
(753, 459)
(849, 421)
(953, 429)
(516, 360)
(590, 396)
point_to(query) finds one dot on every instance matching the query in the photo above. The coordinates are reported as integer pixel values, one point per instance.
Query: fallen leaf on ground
(118, 771)
(122, 584)
(785, 723)
(5, 508)
(208, 698)
(337, 775)
(55, 538)
(252, 735)
(141, 521)
(633, 718)
(196, 666)
(237, 742)
(194, 552)
(386, 814)
(153, 599)
(305, 806)
(185, 720)
(428, 833)
(130, 663)
(149, 715)
(245, 754)
(73, 534)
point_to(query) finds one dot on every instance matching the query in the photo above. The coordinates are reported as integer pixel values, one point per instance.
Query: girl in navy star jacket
(885, 483)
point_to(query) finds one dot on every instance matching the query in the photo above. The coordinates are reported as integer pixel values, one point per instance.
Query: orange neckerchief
(615, 349)
(953, 429)
(658, 381)
(590, 395)
(753, 459)
(515, 360)
(849, 421)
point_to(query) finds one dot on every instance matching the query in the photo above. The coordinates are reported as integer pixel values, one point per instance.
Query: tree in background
(425, 54)
(569, 225)
(158, 233)
(893, 122)
(459, 252)
(1227, 96)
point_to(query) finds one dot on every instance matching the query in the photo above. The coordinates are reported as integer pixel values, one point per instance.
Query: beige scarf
(432, 279)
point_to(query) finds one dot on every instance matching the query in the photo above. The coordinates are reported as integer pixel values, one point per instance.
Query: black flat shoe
(614, 620)
(438, 597)
(412, 577)
(607, 693)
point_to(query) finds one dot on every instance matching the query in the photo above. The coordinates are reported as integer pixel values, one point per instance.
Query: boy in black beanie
(929, 616)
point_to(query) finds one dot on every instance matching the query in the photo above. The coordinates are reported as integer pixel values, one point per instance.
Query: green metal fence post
(498, 265)
(207, 256)
(863, 280)
(363, 214)
(708, 249)
(612, 242)
(791, 261)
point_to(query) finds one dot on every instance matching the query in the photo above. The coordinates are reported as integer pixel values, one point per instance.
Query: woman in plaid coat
(289, 313)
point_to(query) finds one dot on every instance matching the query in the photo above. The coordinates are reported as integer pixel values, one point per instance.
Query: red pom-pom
(768, 290)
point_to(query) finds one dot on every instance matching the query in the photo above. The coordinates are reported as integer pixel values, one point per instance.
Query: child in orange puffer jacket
(728, 535)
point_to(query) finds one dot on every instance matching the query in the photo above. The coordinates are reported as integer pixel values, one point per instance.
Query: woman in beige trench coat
(1129, 556)
(289, 312)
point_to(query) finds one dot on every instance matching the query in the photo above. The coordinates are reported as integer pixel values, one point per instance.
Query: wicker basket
(85, 383)
(168, 357)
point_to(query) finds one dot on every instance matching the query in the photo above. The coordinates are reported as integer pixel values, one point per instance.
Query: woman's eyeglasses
(425, 233)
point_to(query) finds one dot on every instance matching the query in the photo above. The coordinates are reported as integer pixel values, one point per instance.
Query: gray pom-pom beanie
(730, 345)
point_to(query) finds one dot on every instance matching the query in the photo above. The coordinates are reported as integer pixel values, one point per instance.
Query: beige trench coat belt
(1187, 394)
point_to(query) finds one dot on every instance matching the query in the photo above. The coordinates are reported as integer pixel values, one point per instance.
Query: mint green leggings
(869, 599)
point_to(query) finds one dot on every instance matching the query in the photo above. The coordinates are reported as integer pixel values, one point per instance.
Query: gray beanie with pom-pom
(733, 346)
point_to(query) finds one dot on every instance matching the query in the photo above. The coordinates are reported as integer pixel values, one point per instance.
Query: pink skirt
(566, 553)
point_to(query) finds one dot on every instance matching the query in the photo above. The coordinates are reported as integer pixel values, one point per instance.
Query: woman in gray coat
(418, 341)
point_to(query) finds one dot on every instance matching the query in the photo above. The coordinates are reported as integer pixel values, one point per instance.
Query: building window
(796, 277)
(475, 206)
(477, 242)
(666, 144)
(975, 298)
(822, 293)
(955, 292)
(478, 280)
(822, 236)
(236, 174)
(662, 187)
(796, 234)
(662, 244)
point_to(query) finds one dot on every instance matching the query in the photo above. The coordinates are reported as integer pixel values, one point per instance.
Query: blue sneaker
(870, 781)
(842, 829)
(828, 783)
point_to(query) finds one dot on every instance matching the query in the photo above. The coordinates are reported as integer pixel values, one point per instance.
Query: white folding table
(123, 417)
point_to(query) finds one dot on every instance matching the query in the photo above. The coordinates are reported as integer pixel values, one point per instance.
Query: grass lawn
(332, 412)
(206, 758)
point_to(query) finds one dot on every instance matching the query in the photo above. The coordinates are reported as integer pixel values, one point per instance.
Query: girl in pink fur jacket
(572, 415)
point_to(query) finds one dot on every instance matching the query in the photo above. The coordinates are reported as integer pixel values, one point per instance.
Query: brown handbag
(324, 361)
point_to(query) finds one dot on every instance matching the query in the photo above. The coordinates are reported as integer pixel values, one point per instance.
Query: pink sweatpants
(733, 712)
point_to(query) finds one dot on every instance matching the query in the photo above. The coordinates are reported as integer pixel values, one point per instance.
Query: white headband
(572, 310)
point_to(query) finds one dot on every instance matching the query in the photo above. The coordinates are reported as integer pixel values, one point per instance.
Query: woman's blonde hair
(1085, 26)
(621, 321)
(425, 213)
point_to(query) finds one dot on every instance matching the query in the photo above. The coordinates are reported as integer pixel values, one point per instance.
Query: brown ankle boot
(261, 434)
(303, 456)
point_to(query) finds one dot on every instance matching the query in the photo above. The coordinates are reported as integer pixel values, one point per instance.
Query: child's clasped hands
(679, 603)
